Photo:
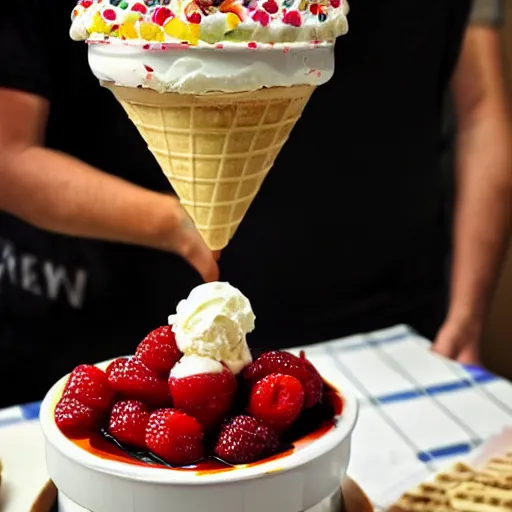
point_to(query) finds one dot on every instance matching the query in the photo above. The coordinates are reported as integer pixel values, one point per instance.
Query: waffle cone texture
(215, 149)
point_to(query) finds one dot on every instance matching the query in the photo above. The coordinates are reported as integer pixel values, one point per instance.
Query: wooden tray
(354, 497)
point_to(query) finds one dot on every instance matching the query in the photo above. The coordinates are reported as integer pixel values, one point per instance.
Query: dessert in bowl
(190, 422)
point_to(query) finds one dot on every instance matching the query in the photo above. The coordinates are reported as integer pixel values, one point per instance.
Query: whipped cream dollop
(210, 21)
(212, 322)
(195, 365)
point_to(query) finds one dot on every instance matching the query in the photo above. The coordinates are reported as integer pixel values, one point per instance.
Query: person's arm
(483, 182)
(61, 194)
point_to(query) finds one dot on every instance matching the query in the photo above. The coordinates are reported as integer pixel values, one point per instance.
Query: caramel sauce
(310, 426)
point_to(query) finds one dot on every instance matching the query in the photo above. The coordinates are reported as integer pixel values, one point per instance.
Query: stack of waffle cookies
(464, 489)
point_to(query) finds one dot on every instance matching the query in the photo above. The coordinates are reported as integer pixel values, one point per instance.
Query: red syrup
(310, 426)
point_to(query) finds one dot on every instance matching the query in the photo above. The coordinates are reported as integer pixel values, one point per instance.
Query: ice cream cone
(215, 149)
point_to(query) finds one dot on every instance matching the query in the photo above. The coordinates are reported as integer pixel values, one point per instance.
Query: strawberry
(288, 364)
(244, 439)
(132, 379)
(109, 14)
(128, 422)
(89, 385)
(161, 15)
(193, 13)
(262, 17)
(205, 396)
(158, 351)
(277, 400)
(270, 6)
(292, 18)
(175, 437)
(76, 419)
(139, 7)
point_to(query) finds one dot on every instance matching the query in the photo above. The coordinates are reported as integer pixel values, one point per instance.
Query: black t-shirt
(345, 235)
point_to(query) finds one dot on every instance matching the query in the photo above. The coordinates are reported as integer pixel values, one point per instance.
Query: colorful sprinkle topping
(209, 21)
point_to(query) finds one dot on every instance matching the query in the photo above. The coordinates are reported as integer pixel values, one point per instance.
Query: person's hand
(460, 341)
(183, 239)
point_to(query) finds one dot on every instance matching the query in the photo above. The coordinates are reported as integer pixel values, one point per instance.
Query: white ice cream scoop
(213, 322)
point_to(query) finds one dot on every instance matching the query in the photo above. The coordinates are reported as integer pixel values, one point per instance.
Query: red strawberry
(128, 422)
(288, 364)
(262, 17)
(76, 419)
(130, 378)
(110, 14)
(89, 385)
(139, 7)
(277, 400)
(175, 437)
(205, 396)
(293, 18)
(193, 13)
(161, 15)
(158, 351)
(270, 6)
(194, 18)
(244, 439)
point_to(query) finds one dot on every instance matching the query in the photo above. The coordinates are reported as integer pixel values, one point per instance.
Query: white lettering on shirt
(57, 278)
(29, 277)
(45, 278)
(8, 262)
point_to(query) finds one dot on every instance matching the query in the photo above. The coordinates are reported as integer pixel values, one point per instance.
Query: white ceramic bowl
(292, 483)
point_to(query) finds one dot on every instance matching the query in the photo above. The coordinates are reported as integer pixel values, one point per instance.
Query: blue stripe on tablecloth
(485, 377)
(448, 387)
(432, 391)
(31, 411)
(399, 397)
(364, 343)
(435, 390)
(478, 374)
(19, 414)
(447, 451)
(387, 339)
(336, 356)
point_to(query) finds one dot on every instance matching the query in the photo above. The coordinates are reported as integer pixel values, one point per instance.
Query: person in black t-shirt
(486, 19)
(96, 251)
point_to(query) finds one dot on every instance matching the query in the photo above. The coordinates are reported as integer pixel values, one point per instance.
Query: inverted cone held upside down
(215, 149)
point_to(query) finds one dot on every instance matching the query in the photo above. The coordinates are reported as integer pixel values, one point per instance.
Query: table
(418, 413)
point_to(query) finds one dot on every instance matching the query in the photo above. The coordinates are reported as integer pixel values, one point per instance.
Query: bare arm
(483, 189)
(61, 194)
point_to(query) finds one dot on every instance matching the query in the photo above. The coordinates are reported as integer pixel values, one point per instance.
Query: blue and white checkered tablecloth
(418, 412)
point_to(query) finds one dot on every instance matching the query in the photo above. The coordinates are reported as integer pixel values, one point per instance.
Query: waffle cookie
(464, 489)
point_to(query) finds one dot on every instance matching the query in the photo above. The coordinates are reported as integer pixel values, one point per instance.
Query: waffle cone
(215, 149)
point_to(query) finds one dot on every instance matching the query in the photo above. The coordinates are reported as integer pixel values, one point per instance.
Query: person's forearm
(482, 213)
(61, 194)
